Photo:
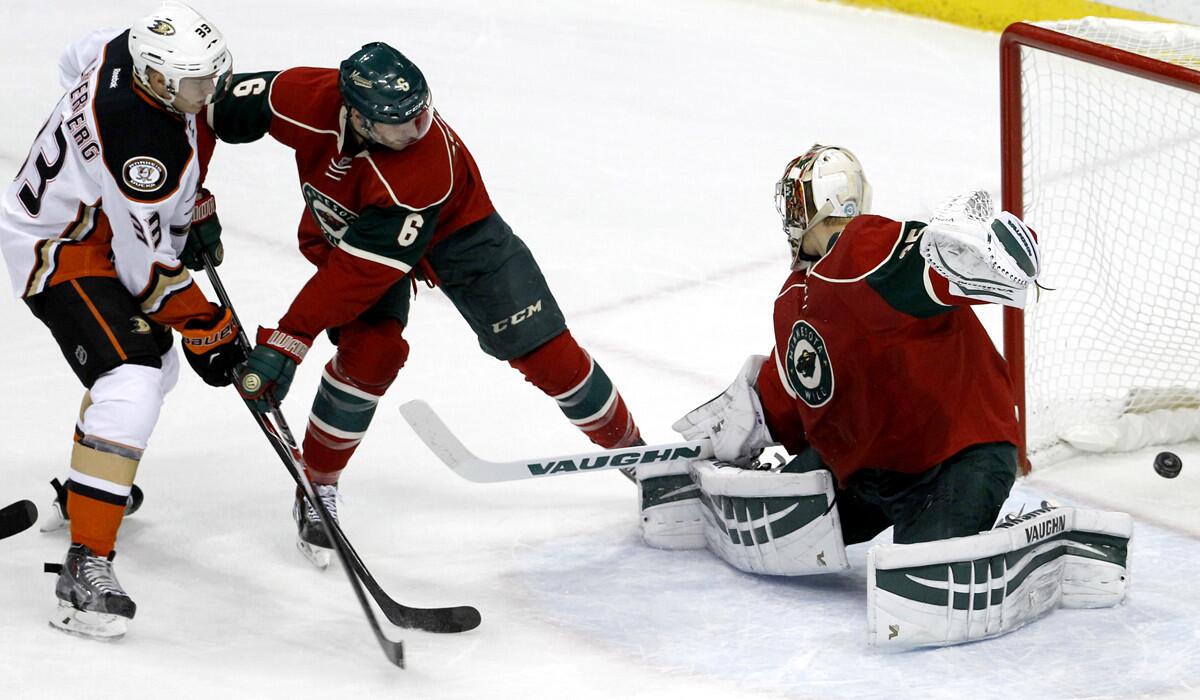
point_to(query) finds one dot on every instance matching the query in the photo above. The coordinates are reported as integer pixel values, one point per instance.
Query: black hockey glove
(211, 347)
(205, 233)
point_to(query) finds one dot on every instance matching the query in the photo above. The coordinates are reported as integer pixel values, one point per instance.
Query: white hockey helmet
(826, 181)
(179, 43)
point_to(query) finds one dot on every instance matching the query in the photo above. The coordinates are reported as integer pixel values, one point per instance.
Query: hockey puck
(1168, 465)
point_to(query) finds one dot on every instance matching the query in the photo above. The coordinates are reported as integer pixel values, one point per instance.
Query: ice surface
(634, 146)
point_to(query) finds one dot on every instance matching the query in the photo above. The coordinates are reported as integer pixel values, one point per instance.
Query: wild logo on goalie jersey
(808, 369)
(333, 218)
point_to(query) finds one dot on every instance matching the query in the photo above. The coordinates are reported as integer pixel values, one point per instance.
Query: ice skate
(57, 517)
(91, 602)
(311, 539)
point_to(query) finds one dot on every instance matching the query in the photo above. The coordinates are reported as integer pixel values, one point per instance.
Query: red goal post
(1110, 92)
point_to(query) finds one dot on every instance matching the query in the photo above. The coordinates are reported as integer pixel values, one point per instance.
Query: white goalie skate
(310, 537)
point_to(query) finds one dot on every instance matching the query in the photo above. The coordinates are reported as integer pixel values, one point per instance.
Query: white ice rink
(634, 146)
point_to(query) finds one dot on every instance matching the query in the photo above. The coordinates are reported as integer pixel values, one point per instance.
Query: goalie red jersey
(876, 365)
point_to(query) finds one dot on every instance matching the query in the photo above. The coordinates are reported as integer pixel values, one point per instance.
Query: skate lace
(329, 497)
(98, 572)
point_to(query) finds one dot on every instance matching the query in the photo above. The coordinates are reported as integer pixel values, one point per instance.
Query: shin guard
(369, 357)
(584, 393)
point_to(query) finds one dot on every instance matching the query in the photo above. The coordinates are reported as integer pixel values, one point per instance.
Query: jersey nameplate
(809, 372)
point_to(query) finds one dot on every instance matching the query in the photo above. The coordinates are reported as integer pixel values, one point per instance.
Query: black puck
(1168, 465)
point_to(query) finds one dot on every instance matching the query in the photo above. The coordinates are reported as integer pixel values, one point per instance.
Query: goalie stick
(17, 517)
(275, 427)
(448, 448)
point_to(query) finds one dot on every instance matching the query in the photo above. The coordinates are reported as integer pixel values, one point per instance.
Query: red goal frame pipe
(1012, 196)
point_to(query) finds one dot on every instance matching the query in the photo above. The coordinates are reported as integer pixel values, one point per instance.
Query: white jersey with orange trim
(108, 188)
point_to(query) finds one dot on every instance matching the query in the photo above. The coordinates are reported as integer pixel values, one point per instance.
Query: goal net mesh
(1111, 183)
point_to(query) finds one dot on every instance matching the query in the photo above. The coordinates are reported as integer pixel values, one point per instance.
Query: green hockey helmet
(383, 85)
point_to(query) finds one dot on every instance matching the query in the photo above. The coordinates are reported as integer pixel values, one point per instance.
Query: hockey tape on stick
(448, 448)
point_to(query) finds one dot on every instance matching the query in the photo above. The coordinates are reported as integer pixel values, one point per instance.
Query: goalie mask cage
(1100, 155)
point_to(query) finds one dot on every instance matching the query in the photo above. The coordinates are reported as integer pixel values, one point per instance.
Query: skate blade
(54, 519)
(318, 556)
(89, 625)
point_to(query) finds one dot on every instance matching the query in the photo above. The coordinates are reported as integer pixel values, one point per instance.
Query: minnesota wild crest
(332, 217)
(807, 364)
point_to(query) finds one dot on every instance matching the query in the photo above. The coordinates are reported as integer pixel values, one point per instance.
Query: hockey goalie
(900, 412)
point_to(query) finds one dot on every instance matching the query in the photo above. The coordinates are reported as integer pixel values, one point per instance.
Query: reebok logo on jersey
(144, 174)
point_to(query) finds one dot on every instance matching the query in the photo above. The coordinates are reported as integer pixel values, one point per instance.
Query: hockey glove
(984, 257)
(269, 370)
(204, 234)
(211, 348)
(733, 421)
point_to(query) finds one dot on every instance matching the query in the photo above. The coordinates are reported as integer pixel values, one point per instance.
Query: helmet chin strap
(145, 85)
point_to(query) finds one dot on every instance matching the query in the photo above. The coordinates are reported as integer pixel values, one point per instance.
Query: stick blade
(394, 651)
(17, 517)
(435, 434)
(462, 618)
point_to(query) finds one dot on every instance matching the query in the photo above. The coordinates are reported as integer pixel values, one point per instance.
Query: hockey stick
(394, 651)
(448, 448)
(17, 517)
(444, 619)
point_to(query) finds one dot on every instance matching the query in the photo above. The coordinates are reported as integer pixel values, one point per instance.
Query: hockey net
(1101, 141)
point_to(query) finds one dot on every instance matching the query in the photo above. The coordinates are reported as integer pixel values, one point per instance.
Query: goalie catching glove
(984, 257)
(267, 374)
(733, 420)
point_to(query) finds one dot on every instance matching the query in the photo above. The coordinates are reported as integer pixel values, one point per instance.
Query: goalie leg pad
(970, 588)
(769, 522)
(1096, 563)
(672, 516)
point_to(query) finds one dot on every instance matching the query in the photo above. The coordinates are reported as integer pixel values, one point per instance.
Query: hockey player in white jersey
(92, 230)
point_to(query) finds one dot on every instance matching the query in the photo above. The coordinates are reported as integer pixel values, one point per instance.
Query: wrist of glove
(211, 348)
(204, 235)
(733, 421)
(267, 375)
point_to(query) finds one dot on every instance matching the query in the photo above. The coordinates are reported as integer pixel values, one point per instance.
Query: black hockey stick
(393, 650)
(17, 517)
(458, 618)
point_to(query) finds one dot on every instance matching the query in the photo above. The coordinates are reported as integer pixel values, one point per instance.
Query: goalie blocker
(934, 593)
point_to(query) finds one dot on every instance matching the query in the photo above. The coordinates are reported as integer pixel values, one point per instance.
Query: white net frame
(1111, 182)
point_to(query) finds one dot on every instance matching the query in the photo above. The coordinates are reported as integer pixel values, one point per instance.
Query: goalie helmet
(826, 181)
(179, 43)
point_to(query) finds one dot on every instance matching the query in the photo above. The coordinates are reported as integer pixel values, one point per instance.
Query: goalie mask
(826, 181)
(186, 49)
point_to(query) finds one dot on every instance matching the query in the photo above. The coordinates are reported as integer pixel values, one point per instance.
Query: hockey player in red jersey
(901, 413)
(92, 229)
(393, 196)
(880, 372)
